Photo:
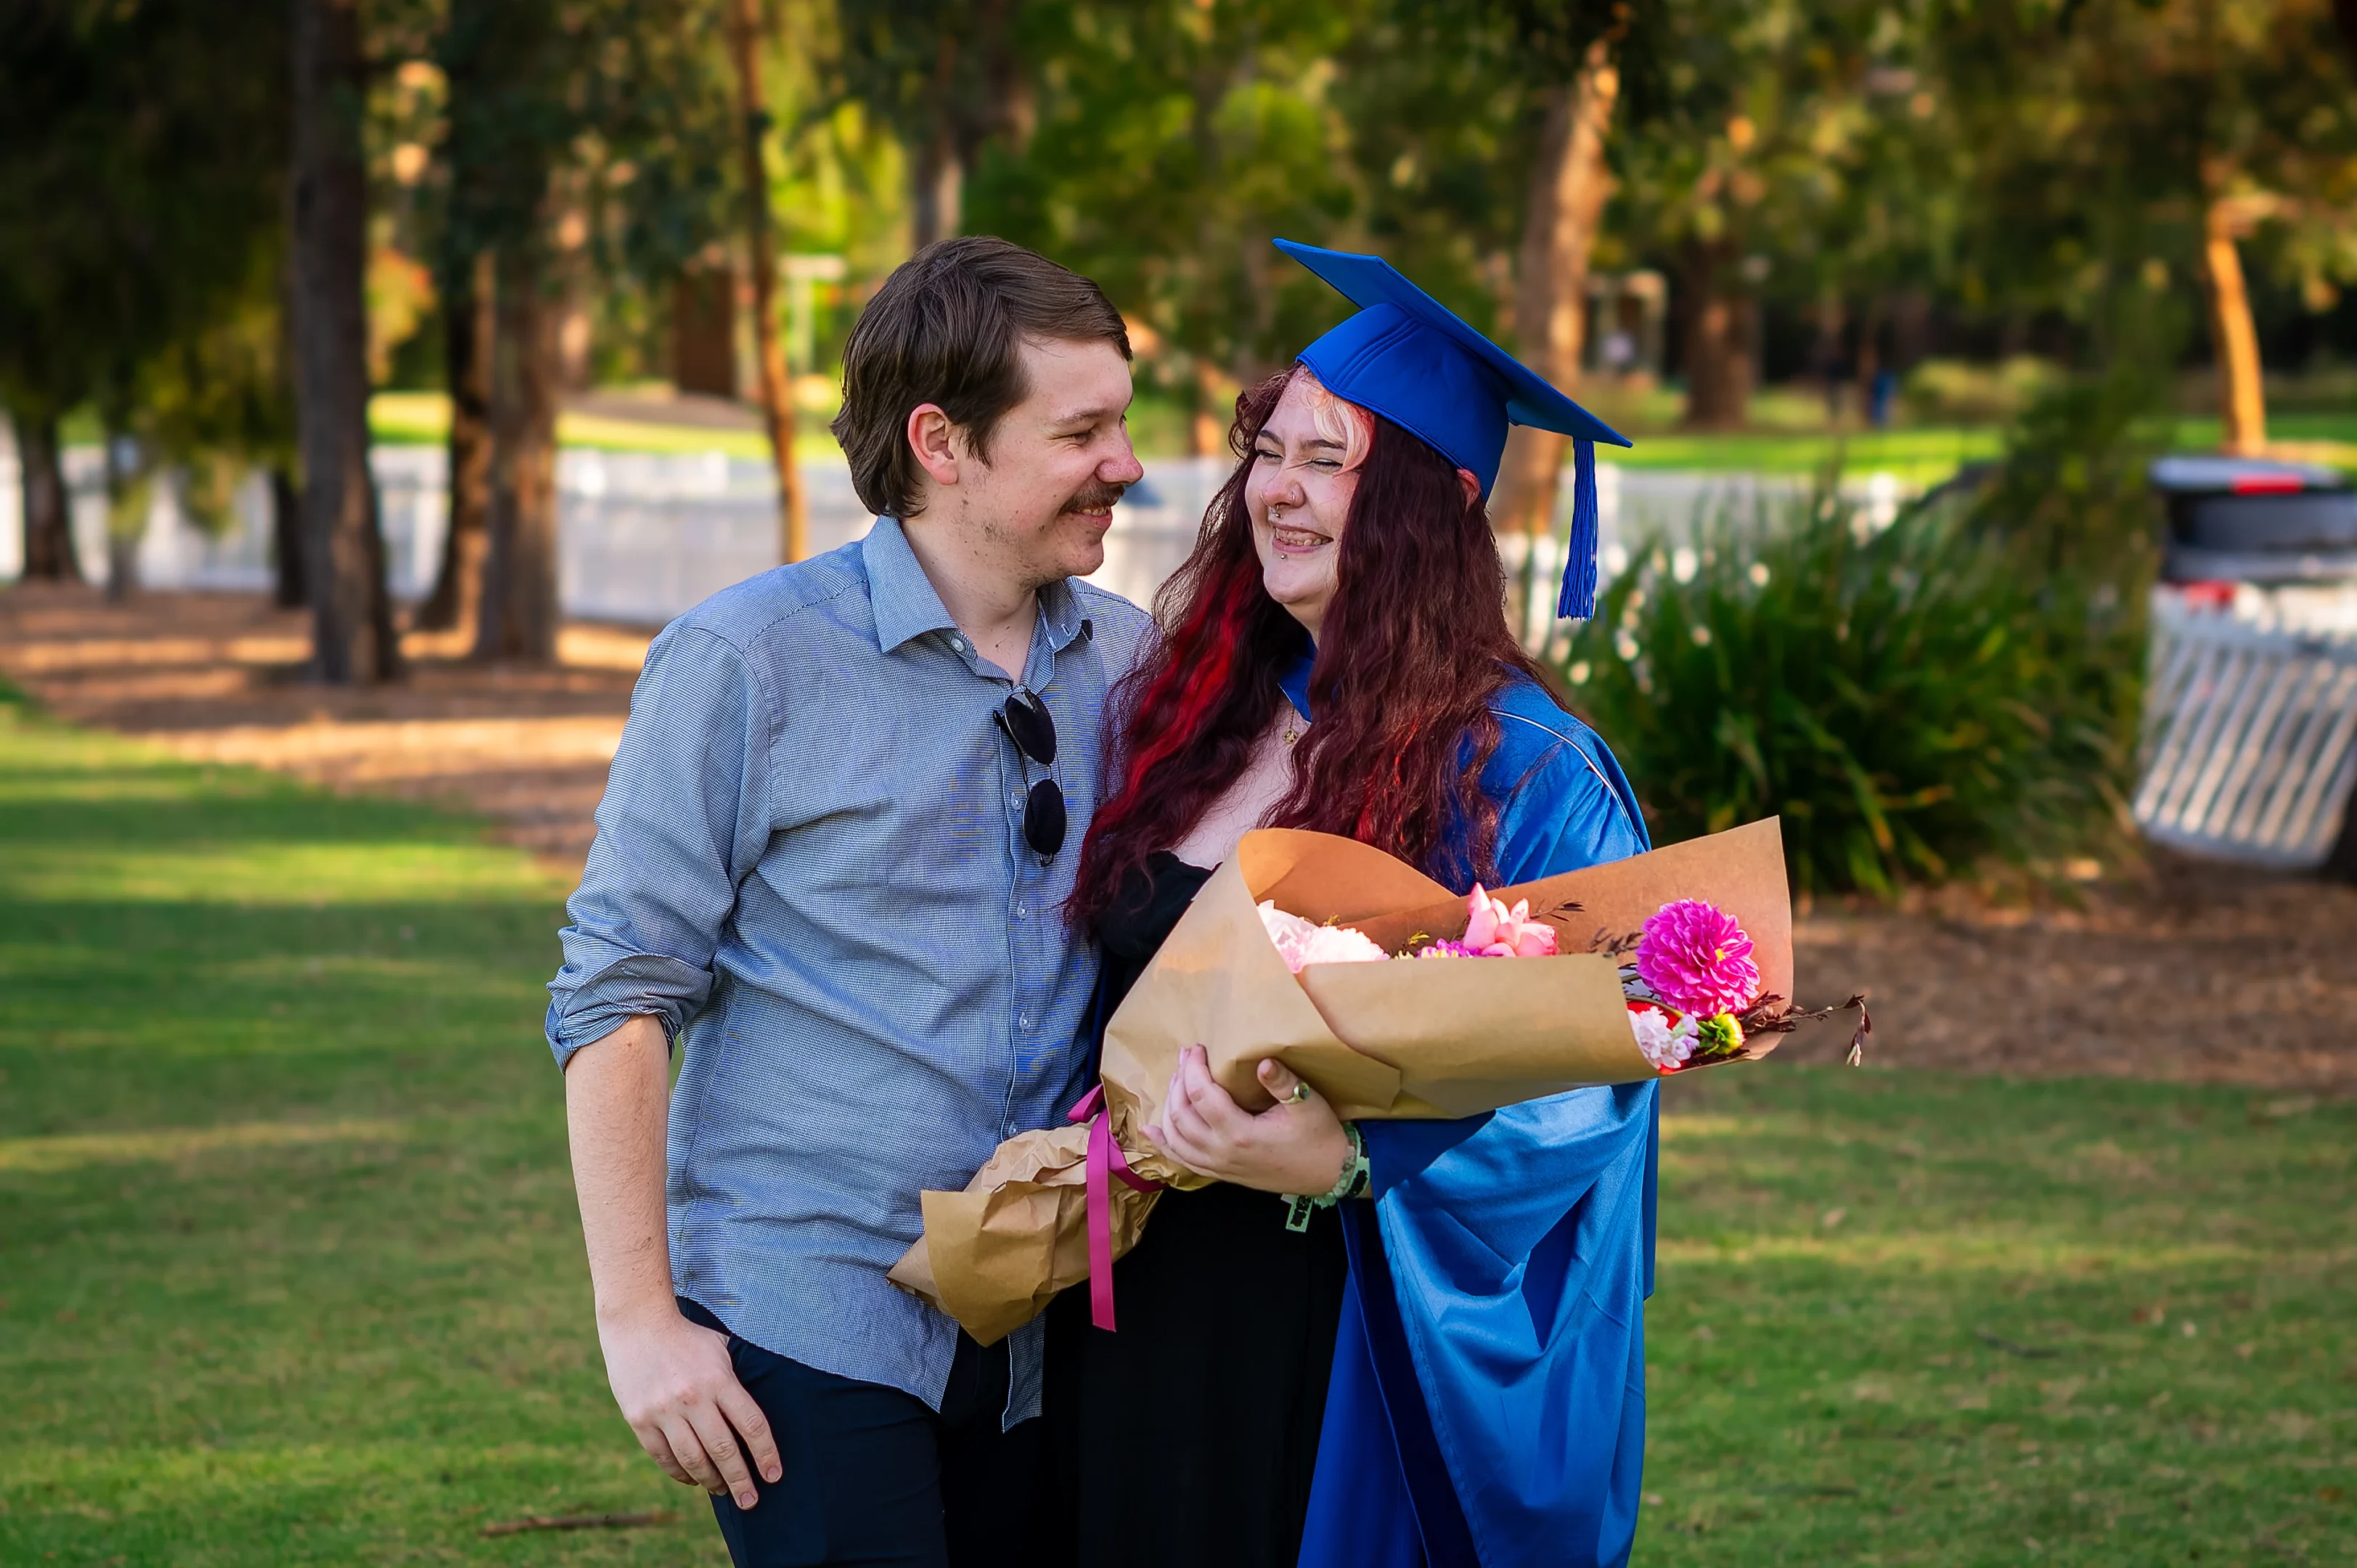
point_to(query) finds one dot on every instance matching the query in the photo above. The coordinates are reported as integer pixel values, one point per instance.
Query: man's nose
(1123, 468)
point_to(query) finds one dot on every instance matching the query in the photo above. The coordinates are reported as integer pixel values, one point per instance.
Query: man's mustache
(1096, 496)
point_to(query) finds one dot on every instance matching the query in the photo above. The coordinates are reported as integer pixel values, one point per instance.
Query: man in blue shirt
(830, 867)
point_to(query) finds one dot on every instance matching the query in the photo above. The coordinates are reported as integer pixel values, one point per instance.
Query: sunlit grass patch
(305, 875)
(74, 1151)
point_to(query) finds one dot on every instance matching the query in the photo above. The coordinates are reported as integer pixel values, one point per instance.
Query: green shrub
(1963, 392)
(1879, 693)
(1958, 689)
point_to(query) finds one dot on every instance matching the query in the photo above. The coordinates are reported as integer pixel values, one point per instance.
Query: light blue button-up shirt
(810, 864)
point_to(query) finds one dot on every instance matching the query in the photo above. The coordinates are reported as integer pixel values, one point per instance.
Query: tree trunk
(1718, 354)
(939, 174)
(128, 497)
(458, 594)
(776, 391)
(575, 335)
(289, 582)
(352, 634)
(703, 330)
(1569, 183)
(518, 619)
(48, 522)
(1211, 414)
(2234, 341)
(1012, 111)
(939, 195)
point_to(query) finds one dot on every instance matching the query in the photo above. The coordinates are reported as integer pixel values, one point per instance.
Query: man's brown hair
(947, 328)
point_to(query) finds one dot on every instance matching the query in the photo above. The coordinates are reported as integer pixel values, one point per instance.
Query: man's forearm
(617, 1094)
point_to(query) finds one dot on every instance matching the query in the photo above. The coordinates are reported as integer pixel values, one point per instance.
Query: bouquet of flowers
(1692, 988)
(1288, 952)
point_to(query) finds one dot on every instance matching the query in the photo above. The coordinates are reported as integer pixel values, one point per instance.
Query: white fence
(2250, 726)
(642, 536)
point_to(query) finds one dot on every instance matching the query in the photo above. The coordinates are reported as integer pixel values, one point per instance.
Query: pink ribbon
(1105, 1160)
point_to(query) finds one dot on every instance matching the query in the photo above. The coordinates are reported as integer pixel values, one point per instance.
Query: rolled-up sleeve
(684, 821)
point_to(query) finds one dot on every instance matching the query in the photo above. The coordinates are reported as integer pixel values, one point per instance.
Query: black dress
(1188, 1438)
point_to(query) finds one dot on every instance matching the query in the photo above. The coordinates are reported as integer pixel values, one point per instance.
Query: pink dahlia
(1698, 959)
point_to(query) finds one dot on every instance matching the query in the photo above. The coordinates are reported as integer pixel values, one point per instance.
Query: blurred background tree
(2171, 135)
(141, 214)
(581, 144)
(1168, 142)
(2074, 219)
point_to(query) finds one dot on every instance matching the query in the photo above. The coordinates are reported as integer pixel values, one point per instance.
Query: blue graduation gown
(1487, 1407)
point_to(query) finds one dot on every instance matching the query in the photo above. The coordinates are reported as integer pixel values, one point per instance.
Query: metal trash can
(2249, 743)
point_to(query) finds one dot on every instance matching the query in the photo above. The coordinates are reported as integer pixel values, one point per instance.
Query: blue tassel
(1578, 599)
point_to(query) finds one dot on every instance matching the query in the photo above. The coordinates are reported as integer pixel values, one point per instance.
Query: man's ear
(936, 442)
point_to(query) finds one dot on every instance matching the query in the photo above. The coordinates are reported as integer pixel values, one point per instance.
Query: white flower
(1663, 1043)
(1300, 943)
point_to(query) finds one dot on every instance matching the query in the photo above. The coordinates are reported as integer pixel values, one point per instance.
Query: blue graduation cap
(1407, 357)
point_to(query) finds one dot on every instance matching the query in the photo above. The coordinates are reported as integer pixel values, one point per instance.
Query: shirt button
(1023, 1020)
(958, 643)
(1022, 911)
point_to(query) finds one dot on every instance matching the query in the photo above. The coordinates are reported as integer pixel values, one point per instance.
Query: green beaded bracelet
(1298, 1207)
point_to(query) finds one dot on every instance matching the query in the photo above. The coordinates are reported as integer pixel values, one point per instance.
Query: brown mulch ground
(219, 678)
(2178, 968)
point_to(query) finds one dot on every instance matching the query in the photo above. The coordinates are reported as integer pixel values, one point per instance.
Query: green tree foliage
(2112, 137)
(1173, 142)
(140, 205)
(2097, 130)
(839, 170)
(1164, 144)
(1793, 149)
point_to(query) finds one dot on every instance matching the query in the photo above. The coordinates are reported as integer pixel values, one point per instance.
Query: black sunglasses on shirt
(1026, 720)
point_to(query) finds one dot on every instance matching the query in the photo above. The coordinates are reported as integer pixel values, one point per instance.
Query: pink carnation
(1698, 959)
(1496, 931)
(1301, 943)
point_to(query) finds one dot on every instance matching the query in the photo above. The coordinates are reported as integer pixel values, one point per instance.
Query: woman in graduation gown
(1446, 1367)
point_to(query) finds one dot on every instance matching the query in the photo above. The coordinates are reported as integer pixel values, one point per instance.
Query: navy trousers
(872, 1477)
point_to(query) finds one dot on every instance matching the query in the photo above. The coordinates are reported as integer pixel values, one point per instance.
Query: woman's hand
(1296, 1146)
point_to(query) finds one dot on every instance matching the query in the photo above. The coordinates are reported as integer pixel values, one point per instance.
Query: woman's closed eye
(1324, 465)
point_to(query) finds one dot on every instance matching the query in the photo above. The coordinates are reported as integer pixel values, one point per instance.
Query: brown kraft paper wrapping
(1408, 1038)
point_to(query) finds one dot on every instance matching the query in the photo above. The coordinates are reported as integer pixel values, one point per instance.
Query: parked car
(2246, 520)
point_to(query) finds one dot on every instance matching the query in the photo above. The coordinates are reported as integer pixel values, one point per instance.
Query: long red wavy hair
(1415, 646)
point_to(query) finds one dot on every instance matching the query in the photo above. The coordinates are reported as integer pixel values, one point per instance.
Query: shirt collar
(1059, 610)
(1295, 679)
(906, 604)
(901, 596)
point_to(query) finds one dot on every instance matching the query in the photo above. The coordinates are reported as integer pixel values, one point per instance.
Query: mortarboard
(1407, 357)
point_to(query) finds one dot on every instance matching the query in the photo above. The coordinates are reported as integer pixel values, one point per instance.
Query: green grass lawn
(1906, 1318)
(289, 1270)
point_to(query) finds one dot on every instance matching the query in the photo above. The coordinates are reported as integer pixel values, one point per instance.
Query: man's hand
(680, 1394)
(1296, 1146)
(672, 1378)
